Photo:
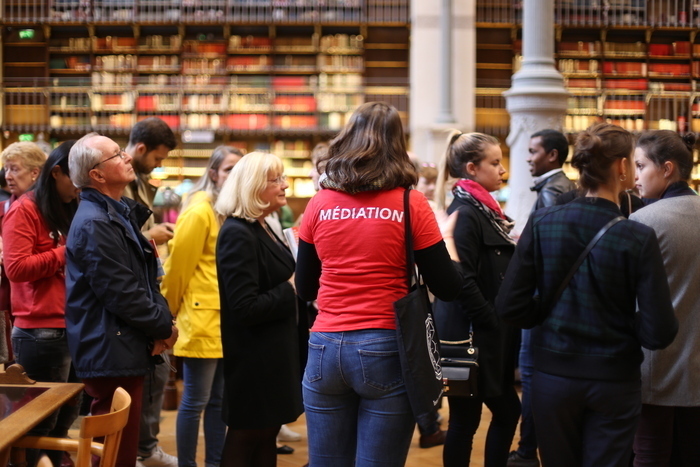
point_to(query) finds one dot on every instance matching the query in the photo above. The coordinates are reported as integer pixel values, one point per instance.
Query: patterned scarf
(477, 195)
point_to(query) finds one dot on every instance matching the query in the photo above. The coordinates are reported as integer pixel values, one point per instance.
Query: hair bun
(586, 147)
(690, 139)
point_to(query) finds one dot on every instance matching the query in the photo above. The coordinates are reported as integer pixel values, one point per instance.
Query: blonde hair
(462, 148)
(240, 194)
(206, 182)
(26, 153)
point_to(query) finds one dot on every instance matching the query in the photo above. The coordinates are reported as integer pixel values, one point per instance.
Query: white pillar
(536, 100)
(431, 47)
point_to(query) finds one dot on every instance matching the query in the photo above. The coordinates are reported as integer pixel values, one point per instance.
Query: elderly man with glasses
(116, 318)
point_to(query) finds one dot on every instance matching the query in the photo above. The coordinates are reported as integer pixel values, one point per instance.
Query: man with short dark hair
(548, 151)
(149, 143)
(116, 318)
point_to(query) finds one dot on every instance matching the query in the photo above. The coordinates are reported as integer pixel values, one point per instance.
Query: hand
(161, 233)
(447, 227)
(446, 223)
(170, 341)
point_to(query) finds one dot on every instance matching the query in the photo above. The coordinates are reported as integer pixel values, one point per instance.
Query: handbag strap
(411, 273)
(580, 259)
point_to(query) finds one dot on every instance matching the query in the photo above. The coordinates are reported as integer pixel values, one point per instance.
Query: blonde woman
(192, 290)
(262, 367)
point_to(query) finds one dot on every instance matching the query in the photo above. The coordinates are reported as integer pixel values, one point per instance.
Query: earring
(33, 179)
(623, 177)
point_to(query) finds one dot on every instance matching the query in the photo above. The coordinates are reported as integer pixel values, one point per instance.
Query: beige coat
(671, 377)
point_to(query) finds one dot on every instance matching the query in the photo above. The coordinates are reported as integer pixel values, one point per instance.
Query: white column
(431, 47)
(536, 100)
(445, 116)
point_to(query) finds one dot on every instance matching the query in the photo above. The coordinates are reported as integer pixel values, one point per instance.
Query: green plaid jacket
(617, 302)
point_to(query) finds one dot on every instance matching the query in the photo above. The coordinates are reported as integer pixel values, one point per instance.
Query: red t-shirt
(360, 242)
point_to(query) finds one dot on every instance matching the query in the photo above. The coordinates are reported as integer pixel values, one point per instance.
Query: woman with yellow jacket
(191, 287)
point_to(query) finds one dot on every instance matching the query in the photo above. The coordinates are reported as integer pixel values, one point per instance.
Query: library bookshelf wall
(635, 63)
(276, 76)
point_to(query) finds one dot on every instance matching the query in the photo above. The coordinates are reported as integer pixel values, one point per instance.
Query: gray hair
(81, 159)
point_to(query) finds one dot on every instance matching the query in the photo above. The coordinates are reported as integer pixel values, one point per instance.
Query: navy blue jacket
(114, 309)
(617, 302)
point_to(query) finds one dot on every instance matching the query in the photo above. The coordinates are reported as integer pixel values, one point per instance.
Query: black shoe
(516, 460)
(285, 450)
(429, 441)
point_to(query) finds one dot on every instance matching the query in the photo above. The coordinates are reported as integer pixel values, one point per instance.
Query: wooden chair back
(109, 426)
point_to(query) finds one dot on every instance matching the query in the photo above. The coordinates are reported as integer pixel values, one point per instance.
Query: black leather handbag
(460, 367)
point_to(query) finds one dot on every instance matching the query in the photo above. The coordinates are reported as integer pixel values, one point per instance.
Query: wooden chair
(15, 374)
(109, 426)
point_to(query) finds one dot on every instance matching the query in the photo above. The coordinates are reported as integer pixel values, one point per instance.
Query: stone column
(536, 100)
(442, 76)
(445, 117)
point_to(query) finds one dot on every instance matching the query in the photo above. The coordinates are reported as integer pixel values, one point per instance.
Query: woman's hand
(447, 228)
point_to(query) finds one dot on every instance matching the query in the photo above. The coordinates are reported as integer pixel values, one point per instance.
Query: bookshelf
(268, 75)
(635, 63)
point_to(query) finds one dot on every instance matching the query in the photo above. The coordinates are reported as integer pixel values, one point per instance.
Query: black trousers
(582, 422)
(465, 416)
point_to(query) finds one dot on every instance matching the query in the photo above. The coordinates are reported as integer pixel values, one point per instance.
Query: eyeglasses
(279, 180)
(120, 154)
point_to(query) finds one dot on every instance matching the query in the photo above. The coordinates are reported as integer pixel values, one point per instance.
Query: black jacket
(260, 330)
(549, 189)
(114, 309)
(484, 256)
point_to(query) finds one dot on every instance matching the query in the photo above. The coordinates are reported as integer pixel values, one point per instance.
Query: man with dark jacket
(548, 150)
(116, 318)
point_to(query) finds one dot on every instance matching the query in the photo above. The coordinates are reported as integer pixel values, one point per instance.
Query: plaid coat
(595, 330)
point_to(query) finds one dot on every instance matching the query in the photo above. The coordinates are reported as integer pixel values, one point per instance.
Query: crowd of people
(594, 302)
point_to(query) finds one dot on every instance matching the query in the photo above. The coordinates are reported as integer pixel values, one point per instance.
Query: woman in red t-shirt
(352, 261)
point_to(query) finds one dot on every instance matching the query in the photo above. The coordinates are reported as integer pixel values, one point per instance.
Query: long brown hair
(371, 150)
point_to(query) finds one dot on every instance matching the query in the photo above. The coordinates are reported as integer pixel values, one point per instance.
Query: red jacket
(34, 262)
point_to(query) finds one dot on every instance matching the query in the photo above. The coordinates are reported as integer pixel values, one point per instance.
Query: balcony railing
(645, 13)
(205, 11)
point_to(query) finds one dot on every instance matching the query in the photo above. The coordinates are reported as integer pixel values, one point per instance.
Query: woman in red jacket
(34, 240)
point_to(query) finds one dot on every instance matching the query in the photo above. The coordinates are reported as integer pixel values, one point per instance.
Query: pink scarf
(481, 195)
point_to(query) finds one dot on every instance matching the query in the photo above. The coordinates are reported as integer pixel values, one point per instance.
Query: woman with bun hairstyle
(586, 391)
(669, 426)
(482, 238)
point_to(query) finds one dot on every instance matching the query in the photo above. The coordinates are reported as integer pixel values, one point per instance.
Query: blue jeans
(527, 447)
(357, 410)
(43, 352)
(203, 392)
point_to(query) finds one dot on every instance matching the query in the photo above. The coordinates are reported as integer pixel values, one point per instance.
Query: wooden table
(49, 397)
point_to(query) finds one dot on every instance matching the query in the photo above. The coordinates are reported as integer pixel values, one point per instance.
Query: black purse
(418, 343)
(460, 367)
